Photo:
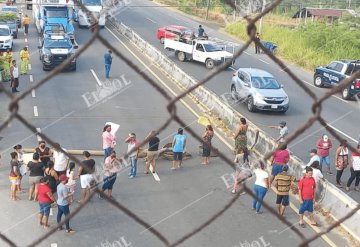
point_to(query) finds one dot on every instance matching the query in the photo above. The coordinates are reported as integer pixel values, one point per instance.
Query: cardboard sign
(114, 127)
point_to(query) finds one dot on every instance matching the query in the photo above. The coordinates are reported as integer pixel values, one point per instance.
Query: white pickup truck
(203, 51)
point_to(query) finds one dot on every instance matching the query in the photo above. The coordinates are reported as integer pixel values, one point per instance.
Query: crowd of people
(52, 173)
(283, 181)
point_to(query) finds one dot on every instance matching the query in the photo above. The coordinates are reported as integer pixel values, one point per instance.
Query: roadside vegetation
(307, 45)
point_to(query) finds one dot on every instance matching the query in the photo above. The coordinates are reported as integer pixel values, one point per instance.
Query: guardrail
(333, 200)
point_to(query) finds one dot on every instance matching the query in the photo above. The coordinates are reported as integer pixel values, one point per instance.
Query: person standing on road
(24, 56)
(342, 161)
(111, 168)
(22, 166)
(86, 175)
(45, 199)
(71, 184)
(7, 64)
(241, 139)
(261, 187)
(108, 61)
(355, 170)
(283, 183)
(45, 152)
(207, 137)
(14, 176)
(307, 187)
(242, 171)
(109, 141)
(284, 131)
(61, 161)
(152, 152)
(36, 169)
(313, 157)
(132, 152)
(279, 159)
(52, 176)
(257, 40)
(14, 74)
(324, 145)
(178, 145)
(26, 23)
(201, 31)
(63, 203)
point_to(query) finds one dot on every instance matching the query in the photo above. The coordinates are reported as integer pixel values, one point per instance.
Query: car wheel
(45, 68)
(162, 40)
(345, 93)
(234, 94)
(318, 81)
(74, 68)
(181, 56)
(250, 104)
(209, 63)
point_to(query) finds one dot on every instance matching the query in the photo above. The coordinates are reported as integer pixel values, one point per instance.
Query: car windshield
(57, 43)
(10, 24)
(265, 82)
(56, 13)
(92, 2)
(212, 48)
(54, 29)
(4, 32)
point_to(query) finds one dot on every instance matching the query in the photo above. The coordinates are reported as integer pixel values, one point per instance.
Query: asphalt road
(180, 202)
(343, 115)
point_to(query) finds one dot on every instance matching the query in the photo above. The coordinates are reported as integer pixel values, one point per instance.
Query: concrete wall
(330, 198)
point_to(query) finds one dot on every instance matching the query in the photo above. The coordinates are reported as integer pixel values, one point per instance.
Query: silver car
(259, 90)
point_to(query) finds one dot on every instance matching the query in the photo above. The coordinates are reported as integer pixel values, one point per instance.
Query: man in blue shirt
(200, 31)
(108, 61)
(178, 145)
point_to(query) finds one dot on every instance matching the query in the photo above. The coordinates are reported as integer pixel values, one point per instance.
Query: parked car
(14, 9)
(259, 90)
(171, 32)
(55, 49)
(335, 72)
(6, 38)
(9, 19)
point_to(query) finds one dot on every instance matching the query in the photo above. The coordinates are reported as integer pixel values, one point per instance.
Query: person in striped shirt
(283, 183)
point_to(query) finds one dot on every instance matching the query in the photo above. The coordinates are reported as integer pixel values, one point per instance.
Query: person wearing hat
(63, 203)
(284, 131)
(324, 145)
(313, 157)
(283, 183)
(109, 141)
(178, 145)
(132, 152)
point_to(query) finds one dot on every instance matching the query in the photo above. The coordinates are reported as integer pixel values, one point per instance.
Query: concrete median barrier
(332, 200)
(73, 151)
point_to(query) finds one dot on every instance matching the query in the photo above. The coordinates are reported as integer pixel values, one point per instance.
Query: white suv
(6, 38)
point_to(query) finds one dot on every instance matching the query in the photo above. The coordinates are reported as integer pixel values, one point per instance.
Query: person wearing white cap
(132, 153)
(323, 149)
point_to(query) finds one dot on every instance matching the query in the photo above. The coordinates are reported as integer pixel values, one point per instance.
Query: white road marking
(37, 136)
(344, 134)
(178, 211)
(247, 53)
(155, 175)
(151, 20)
(26, 40)
(232, 68)
(36, 113)
(53, 245)
(335, 96)
(31, 78)
(29, 66)
(263, 61)
(51, 212)
(96, 77)
(33, 93)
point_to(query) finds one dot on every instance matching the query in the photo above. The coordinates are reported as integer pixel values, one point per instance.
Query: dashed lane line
(31, 78)
(33, 93)
(263, 61)
(151, 20)
(36, 113)
(96, 77)
(37, 136)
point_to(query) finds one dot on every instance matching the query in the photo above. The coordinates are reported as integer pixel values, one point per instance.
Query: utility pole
(207, 9)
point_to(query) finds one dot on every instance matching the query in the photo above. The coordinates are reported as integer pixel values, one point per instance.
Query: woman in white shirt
(261, 186)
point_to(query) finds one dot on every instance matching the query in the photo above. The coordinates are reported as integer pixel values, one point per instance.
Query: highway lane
(343, 115)
(181, 201)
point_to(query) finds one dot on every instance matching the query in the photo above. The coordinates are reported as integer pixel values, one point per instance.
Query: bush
(6, 16)
(309, 45)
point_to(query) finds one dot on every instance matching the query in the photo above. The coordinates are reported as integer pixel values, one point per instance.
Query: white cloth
(69, 175)
(85, 180)
(314, 158)
(132, 145)
(356, 163)
(317, 175)
(283, 133)
(261, 175)
(61, 160)
(16, 72)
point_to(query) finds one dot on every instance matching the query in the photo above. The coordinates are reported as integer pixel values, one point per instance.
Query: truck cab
(96, 9)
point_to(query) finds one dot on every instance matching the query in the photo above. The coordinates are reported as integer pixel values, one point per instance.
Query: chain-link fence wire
(171, 107)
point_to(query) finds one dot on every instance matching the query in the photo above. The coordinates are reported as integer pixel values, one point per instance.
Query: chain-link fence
(198, 91)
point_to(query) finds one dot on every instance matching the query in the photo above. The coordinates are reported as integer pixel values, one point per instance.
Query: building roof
(323, 12)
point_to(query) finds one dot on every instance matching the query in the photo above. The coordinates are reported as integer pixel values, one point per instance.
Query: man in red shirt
(45, 198)
(307, 196)
(324, 145)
